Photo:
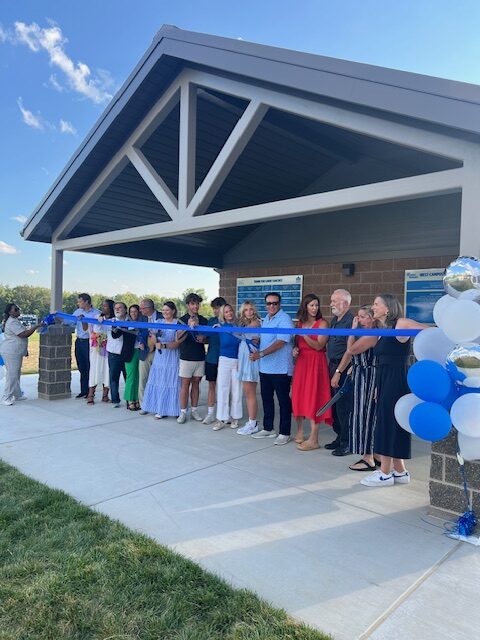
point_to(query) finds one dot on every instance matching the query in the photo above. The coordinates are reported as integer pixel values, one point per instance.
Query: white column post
(56, 293)
(470, 217)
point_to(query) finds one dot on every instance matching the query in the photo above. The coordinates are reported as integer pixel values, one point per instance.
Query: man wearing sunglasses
(276, 367)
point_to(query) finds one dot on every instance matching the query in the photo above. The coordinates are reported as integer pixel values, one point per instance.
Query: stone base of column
(55, 365)
(446, 484)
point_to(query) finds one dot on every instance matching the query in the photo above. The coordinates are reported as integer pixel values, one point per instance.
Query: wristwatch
(338, 371)
(261, 354)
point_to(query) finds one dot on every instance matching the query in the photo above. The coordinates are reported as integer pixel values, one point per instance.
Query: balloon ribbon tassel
(466, 523)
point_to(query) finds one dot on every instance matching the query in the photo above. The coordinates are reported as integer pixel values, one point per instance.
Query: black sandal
(131, 406)
(366, 466)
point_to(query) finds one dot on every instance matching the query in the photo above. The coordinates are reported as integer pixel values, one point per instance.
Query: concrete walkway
(296, 528)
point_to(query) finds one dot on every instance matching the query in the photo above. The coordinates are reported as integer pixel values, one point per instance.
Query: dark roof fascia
(444, 102)
(441, 87)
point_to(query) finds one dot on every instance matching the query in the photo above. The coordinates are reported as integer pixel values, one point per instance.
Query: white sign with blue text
(255, 289)
(423, 287)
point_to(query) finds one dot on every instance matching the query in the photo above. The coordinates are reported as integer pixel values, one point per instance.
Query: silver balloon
(461, 275)
(463, 365)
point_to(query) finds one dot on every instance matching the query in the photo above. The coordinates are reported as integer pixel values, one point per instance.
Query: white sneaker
(182, 418)
(116, 405)
(196, 416)
(22, 397)
(220, 424)
(8, 402)
(142, 412)
(234, 424)
(378, 479)
(209, 419)
(158, 416)
(265, 434)
(401, 478)
(248, 429)
(281, 439)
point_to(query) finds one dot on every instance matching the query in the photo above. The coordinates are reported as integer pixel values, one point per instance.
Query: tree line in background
(37, 299)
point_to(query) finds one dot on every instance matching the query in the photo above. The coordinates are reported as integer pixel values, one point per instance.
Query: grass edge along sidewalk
(67, 572)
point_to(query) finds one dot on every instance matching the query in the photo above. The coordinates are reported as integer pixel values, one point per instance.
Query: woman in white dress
(99, 373)
(248, 371)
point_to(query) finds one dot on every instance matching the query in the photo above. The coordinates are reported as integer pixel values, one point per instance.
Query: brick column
(55, 363)
(446, 486)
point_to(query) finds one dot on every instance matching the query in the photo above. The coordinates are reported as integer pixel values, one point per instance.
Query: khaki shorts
(192, 369)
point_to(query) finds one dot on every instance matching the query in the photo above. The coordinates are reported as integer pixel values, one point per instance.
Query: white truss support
(187, 146)
(384, 129)
(56, 291)
(437, 183)
(229, 154)
(153, 181)
(144, 130)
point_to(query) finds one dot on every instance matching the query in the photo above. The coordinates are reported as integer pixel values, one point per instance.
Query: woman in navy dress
(392, 443)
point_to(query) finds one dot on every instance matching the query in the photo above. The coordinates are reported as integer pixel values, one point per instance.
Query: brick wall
(371, 277)
(446, 484)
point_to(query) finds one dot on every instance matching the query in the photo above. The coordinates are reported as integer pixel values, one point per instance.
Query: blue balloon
(430, 421)
(429, 381)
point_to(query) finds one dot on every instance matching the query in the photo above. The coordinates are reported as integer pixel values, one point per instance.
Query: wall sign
(423, 287)
(254, 289)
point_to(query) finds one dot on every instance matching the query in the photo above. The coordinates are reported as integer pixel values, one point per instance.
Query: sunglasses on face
(272, 304)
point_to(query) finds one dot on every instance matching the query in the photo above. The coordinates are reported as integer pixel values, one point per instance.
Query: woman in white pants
(13, 349)
(229, 387)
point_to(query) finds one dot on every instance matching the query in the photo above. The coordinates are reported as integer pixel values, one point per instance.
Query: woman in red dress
(311, 383)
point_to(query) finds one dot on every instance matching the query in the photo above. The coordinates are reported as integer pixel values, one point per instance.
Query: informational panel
(254, 289)
(423, 287)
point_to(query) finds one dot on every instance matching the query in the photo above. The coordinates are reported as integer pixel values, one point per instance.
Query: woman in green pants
(132, 379)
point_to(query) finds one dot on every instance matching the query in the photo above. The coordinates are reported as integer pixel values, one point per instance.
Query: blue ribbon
(231, 329)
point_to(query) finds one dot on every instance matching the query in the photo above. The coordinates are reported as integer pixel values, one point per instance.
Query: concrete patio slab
(295, 527)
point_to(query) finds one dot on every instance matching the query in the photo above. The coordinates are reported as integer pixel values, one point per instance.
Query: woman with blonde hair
(248, 370)
(229, 388)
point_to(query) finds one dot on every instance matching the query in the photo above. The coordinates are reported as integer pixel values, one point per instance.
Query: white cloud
(7, 248)
(67, 127)
(30, 118)
(78, 75)
(21, 219)
(55, 83)
(3, 34)
(31, 272)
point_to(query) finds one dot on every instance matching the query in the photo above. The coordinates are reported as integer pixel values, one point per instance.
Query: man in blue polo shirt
(276, 368)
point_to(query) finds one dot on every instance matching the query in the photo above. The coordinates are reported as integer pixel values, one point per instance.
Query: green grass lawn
(67, 572)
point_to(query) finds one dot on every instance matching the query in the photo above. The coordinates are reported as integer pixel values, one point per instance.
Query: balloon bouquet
(445, 380)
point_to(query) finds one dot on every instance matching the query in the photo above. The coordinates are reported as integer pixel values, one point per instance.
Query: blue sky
(60, 62)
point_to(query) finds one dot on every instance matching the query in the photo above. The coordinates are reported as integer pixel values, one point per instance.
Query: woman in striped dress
(362, 415)
(162, 391)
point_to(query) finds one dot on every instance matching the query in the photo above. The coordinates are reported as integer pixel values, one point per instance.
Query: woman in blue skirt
(162, 391)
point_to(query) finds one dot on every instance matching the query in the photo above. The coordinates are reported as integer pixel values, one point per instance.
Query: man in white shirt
(82, 342)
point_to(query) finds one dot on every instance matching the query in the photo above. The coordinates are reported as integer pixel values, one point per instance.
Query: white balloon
(465, 414)
(432, 344)
(470, 294)
(403, 408)
(440, 307)
(469, 447)
(461, 321)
